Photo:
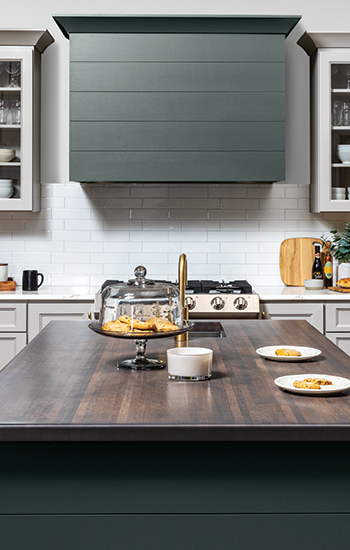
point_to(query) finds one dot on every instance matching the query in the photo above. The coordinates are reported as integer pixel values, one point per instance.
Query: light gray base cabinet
(39, 315)
(13, 330)
(20, 322)
(331, 319)
(311, 312)
(338, 325)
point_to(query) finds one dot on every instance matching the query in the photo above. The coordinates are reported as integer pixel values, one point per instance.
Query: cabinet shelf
(341, 128)
(10, 163)
(345, 91)
(10, 89)
(11, 126)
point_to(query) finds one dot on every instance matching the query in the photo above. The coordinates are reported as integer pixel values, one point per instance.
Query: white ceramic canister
(190, 363)
(4, 272)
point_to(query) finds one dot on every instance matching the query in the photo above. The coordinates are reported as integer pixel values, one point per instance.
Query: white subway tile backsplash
(87, 233)
(239, 204)
(227, 214)
(273, 204)
(239, 247)
(44, 225)
(278, 225)
(161, 225)
(271, 192)
(109, 258)
(70, 214)
(71, 258)
(230, 236)
(197, 225)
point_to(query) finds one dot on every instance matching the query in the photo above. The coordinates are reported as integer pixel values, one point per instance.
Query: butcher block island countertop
(64, 386)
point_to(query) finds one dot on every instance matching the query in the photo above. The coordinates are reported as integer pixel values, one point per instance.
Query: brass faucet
(182, 287)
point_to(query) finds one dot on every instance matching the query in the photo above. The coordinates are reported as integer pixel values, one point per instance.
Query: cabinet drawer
(313, 313)
(39, 315)
(13, 317)
(11, 343)
(338, 317)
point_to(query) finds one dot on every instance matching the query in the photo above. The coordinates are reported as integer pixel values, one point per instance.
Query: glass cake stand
(141, 361)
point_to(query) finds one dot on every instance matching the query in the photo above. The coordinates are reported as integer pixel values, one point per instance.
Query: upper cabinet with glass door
(330, 119)
(20, 61)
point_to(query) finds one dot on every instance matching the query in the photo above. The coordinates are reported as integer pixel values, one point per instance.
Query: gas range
(220, 300)
(207, 299)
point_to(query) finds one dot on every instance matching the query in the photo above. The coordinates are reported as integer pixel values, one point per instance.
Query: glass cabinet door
(340, 136)
(10, 128)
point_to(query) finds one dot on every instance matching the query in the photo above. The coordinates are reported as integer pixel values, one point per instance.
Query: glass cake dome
(141, 305)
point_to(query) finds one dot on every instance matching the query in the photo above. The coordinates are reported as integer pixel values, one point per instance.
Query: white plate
(338, 384)
(306, 353)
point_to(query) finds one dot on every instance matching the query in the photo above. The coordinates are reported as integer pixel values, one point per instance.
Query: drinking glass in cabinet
(345, 114)
(13, 69)
(346, 71)
(10, 112)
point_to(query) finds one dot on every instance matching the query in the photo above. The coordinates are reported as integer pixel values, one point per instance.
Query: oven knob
(240, 303)
(190, 302)
(217, 303)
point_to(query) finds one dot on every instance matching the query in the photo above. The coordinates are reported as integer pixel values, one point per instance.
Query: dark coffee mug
(30, 279)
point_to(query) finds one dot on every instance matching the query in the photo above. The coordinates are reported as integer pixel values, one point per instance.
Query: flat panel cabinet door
(178, 107)
(13, 317)
(313, 313)
(338, 317)
(341, 339)
(39, 315)
(11, 343)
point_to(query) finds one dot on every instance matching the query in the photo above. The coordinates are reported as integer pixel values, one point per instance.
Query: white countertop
(286, 293)
(51, 293)
(86, 293)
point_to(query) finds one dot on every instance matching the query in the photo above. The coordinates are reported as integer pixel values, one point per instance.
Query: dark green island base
(91, 460)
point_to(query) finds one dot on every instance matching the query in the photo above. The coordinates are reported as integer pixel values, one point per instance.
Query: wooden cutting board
(296, 258)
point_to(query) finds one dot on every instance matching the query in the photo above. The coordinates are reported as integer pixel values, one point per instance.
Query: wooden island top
(64, 386)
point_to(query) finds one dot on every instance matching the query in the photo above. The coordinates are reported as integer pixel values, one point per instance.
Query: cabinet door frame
(40, 314)
(321, 129)
(19, 340)
(29, 198)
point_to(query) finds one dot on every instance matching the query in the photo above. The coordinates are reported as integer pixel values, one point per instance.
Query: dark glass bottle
(317, 268)
(328, 267)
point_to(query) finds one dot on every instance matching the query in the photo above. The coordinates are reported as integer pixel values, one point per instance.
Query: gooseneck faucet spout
(182, 287)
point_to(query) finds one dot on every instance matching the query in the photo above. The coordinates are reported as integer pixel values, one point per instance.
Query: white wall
(86, 234)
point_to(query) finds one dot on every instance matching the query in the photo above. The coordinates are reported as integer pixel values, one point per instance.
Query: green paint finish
(236, 24)
(207, 48)
(179, 106)
(177, 136)
(174, 166)
(168, 69)
(177, 77)
(186, 532)
(243, 478)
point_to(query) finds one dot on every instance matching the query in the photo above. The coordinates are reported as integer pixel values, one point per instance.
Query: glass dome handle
(140, 272)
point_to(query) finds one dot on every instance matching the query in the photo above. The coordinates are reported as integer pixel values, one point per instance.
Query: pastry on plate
(302, 384)
(286, 352)
(344, 283)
